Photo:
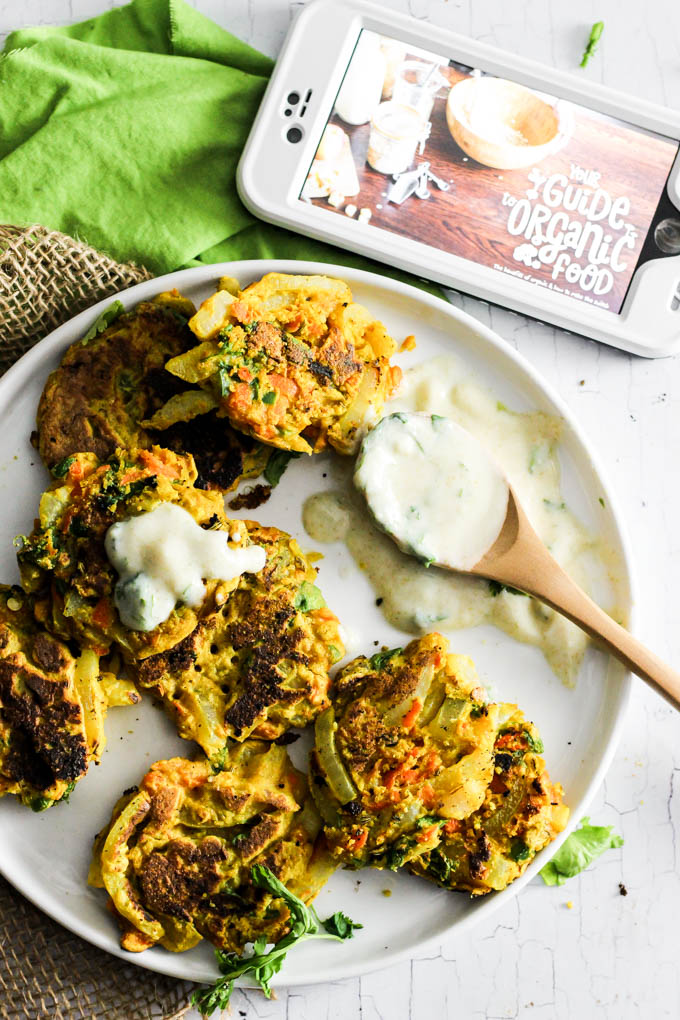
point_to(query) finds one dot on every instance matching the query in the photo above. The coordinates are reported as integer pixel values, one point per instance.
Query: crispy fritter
(291, 360)
(52, 707)
(257, 665)
(223, 456)
(104, 387)
(406, 746)
(64, 562)
(522, 812)
(177, 856)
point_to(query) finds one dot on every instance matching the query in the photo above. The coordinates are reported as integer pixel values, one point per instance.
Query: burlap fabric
(47, 277)
(46, 973)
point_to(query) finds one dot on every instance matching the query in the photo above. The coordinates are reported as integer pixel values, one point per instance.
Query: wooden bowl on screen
(501, 124)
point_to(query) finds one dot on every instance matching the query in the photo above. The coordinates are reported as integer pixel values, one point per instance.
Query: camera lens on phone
(667, 236)
(293, 98)
(294, 134)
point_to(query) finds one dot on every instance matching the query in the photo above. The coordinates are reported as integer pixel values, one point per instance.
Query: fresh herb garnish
(519, 851)
(334, 653)
(440, 866)
(67, 792)
(309, 597)
(41, 803)
(535, 744)
(277, 464)
(218, 762)
(397, 853)
(61, 469)
(105, 319)
(578, 851)
(270, 397)
(340, 926)
(261, 966)
(380, 658)
(595, 33)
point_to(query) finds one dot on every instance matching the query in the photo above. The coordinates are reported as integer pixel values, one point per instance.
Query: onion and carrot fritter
(52, 707)
(522, 812)
(256, 665)
(176, 858)
(63, 562)
(291, 361)
(107, 384)
(406, 746)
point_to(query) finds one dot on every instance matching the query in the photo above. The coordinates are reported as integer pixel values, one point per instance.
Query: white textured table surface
(610, 957)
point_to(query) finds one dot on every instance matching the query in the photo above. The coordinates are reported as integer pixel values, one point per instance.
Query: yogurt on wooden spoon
(433, 488)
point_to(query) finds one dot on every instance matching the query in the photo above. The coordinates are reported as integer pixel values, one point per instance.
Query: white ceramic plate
(46, 855)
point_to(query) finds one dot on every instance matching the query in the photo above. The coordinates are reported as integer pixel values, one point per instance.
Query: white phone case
(273, 170)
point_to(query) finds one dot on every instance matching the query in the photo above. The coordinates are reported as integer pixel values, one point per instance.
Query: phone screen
(484, 168)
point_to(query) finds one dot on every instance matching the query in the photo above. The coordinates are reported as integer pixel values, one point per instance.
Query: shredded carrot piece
(426, 835)
(359, 842)
(283, 384)
(132, 476)
(66, 520)
(323, 614)
(410, 718)
(240, 398)
(155, 463)
(453, 825)
(102, 615)
(427, 794)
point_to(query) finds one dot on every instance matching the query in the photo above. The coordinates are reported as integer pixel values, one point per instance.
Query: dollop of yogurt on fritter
(163, 557)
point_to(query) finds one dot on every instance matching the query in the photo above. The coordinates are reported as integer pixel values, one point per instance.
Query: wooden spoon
(519, 558)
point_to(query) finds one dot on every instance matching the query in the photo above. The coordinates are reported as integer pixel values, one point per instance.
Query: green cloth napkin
(125, 131)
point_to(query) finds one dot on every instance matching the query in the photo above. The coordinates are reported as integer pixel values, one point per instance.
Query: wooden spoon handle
(521, 560)
(562, 594)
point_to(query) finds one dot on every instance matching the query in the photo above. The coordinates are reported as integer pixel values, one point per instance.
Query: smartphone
(474, 168)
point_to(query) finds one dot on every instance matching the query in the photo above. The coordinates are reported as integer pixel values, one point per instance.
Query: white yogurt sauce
(433, 488)
(416, 599)
(163, 557)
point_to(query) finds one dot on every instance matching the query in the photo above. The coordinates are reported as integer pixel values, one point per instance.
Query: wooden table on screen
(470, 220)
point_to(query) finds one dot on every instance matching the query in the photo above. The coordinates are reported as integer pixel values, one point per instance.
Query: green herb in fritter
(309, 597)
(108, 316)
(277, 464)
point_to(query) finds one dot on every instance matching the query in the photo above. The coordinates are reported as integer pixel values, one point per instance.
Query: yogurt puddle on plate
(416, 598)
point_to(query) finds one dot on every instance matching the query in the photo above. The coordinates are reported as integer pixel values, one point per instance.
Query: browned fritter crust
(48, 738)
(177, 856)
(104, 387)
(258, 664)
